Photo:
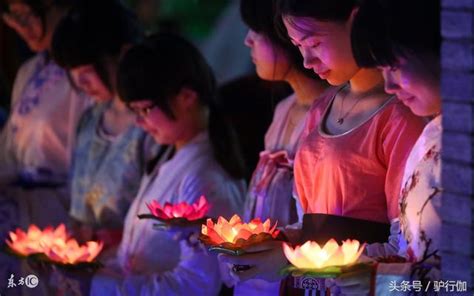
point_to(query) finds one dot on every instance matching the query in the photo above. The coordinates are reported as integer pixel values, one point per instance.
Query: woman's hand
(76, 282)
(355, 281)
(264, 262)
(82, 232)
(44, 269)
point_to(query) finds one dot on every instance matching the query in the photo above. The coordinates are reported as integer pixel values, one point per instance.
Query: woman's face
(416, 84)
(86, 79)
(22, 19)
(270, 61)
(164, 129)
(325, 47)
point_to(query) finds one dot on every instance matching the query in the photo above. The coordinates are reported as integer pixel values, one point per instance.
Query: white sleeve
(196, 274)
(391, 275)
(389, 248)
(225, 195)
(299, 208)
(8, 173)
(293, 232)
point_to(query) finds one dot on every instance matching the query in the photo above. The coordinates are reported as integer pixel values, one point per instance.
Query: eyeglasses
(144, 111)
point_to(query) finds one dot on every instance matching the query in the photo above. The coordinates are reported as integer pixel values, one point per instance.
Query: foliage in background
(193, 18)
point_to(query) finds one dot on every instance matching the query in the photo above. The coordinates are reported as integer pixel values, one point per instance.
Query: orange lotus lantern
(54, 243)
(70, 252)
(311, 256)
(35, 240)
(184, 210)
(234, 234)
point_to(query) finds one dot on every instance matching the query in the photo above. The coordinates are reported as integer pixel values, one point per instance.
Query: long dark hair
(383, 31)
(157, 70)
(261, 17)
(94, 32)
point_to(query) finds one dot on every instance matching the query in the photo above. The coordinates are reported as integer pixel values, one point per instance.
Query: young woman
(407, 49)
(168, 84)
(37, 141)
(111, 152)
(270, 191)
(351, 160)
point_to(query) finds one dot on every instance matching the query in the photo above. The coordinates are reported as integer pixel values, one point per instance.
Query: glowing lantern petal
(54, 243)
(181, 210)
(234, 234)
(311, 256)
(72, 253)
(297, 258)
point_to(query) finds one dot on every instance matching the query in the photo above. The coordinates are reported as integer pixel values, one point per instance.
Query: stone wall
(458, 100)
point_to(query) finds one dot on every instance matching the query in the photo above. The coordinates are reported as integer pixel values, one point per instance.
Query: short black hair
(261, 17)
(95, 33)
(384, 30)
(320, 10)
(158, 68)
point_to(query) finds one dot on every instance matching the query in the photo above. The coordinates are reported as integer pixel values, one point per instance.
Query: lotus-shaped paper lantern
(70, 252)
(234, 234)
(53, 244)
(181, 214)
(311, 256)
(35, 240)
(181, 210)
(330, 258)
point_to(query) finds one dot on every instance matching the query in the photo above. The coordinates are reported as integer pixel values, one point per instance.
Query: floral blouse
(420, 198)
(420, 218)
(107, 170)
(37, 141)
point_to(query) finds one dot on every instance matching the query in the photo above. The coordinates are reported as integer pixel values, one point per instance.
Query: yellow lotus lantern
(311, 256)
(70, 252)
(327, 261)
(35, 240)
(234, 235)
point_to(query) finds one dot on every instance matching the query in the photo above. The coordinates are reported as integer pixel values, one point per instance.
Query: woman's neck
(118, 106)
(117, 118)
(198, 122)
(365, 79)
(306, 89)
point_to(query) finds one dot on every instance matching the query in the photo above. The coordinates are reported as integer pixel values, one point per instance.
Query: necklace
(341, 117)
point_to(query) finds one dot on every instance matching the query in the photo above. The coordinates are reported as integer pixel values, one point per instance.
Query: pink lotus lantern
(181, 210)
(235, 235)
(179, 214)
